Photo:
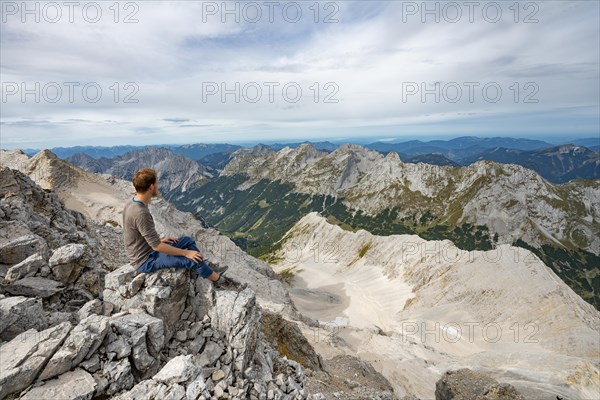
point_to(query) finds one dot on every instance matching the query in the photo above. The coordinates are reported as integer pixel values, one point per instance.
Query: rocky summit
(78, 322)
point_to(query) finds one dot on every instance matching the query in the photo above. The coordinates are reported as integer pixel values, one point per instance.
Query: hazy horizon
(337, 141)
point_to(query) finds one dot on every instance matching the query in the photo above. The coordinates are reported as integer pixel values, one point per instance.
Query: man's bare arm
(174, 251)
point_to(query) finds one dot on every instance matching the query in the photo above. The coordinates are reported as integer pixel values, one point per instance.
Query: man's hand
(194, 255)
(168, 240)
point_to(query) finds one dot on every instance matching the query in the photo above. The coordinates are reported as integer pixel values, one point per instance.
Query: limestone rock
(17, 242)
(161, 294)
(64, 262)
(119, 375)
(90, 308)
(92, 280)
(128, 324)
(26, 268)
(177, 370)
(501, 391)
(18, 314)
(287, 337)
(465, 384)
(25, 355)
(73, 385)
(118, 345)
(165, 296)
(150, 389)
(236, 315)
(141, 357)
(119, 281)
(210, 355)
(83, 341)
(197, 388)
(34, 287)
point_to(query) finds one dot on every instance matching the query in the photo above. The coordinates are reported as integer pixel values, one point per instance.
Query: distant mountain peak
(45, 154)
(392, 155)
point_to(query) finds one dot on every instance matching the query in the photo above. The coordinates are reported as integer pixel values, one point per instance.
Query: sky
(150, 72)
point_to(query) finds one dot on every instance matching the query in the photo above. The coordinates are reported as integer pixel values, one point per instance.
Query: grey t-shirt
(139, 233)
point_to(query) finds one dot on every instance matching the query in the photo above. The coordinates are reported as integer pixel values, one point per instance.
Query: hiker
(146, 251)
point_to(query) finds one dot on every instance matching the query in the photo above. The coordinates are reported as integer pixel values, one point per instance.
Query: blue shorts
(157, 260)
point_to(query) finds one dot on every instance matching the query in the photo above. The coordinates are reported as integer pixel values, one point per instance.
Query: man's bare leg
(214, 277)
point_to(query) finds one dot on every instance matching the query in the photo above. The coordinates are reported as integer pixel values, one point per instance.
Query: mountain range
(176, 171)
(557, 163)
(412, 307)
(259, 197)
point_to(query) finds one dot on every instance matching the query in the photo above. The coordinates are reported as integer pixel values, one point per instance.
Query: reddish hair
(143, 178)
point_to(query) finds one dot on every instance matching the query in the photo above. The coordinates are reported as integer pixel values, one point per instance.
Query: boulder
(90, 308)
(92, 280)
(25, 356)
(141, 357)
(288, 338)
(18, 314)
(161, 294)
(15, 250)
(118, 346)
(165, 296)
(82, 342)
(73, 385)
(65, 262)
(34, 287)
(237, 317)
(465, 384)
(26, 268)
(150, 389)
(119, 375)
(180, 369)
(180, 379)
(128, 325)
(501, 391)
(211, 353)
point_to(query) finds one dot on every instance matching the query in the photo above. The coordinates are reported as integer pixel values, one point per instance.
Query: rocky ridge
(80, 323)
(176, 171)
(416, 308)
(512, 201)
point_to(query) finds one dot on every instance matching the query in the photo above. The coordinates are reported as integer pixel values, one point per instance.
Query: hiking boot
(226, 283)
(217, 268)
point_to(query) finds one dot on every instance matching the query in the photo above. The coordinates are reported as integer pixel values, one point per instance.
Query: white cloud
(369, 54)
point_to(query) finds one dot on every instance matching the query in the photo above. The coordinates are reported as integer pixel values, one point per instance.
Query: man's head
(144, 180)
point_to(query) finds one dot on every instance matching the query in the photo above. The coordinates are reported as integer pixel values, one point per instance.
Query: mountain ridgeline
(576, 159)
(476, 192)
(259, 196)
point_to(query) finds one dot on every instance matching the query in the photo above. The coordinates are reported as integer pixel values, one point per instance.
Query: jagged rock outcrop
(82, 343)
(287, 337)
(26, 268)
(512, 201)
(24, 357)
(235, 315)
(19, 314)
(71, 328)
(74, 385)
(162, 294)
(465, 384)
(176, 171)
(64, 262)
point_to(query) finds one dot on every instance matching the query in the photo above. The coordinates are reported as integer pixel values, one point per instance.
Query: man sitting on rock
(148, 252)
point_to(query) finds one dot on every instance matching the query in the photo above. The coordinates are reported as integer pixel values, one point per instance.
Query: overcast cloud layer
(361, 73)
